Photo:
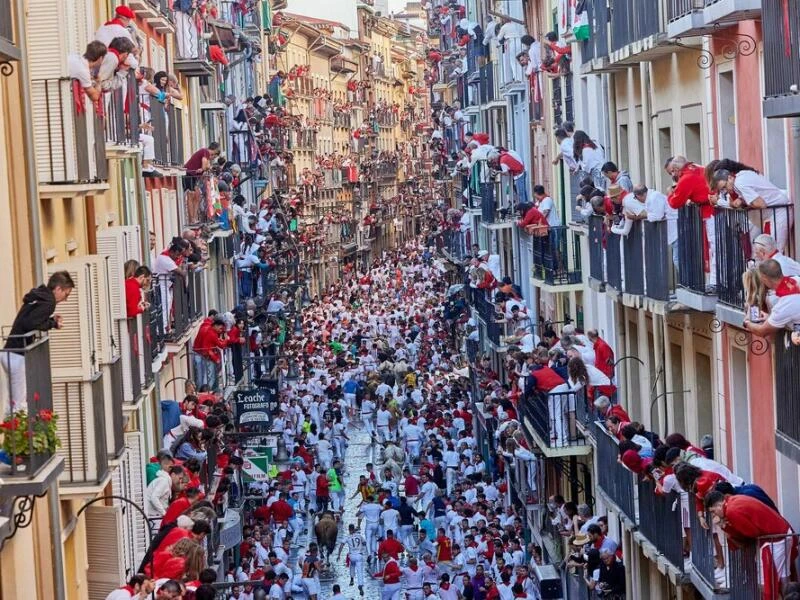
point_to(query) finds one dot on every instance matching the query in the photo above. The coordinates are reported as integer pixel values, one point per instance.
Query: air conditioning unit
(86, 339)
(120, 244)
(81, 410)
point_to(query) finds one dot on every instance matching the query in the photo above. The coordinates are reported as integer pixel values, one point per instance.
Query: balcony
(332, 179)
(167, 122)
(493, 318)
(68, 134)
(638, 31)
(488, 92)
(735, 230)
(557, 258)
(386, 171)
(597, 44)
(121, 123)
(303, 139)
(552, 421)
(456, 244)
(33, 469)
(787, 397)
(494, 194)
(637, 267)
(191, 53)
(132, 354)
(727, 12)
(154, 333)
(82, 430)
(781, 62)
(8, 38)
(342, 119)
(614, 481)
(181, 303)
(685, 18)
(661, 528)
(340, 64)
(695, 278)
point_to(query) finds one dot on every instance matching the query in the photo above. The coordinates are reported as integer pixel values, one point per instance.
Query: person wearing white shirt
(757, 192)
(382, 420)
(371, 511)
(633, 209)
(764, 248)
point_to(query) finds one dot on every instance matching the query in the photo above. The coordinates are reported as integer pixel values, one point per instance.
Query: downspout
(30, 171)
(796, 176)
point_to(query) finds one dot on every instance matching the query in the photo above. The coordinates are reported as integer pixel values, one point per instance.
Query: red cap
(481, 138)
(125, 11)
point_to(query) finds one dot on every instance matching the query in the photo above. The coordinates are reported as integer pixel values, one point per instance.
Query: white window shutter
(105, 569)
(136, 458)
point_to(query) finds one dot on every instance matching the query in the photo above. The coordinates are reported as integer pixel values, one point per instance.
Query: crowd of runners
(428, 518)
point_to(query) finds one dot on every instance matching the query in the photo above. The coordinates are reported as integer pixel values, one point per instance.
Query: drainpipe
(30, 160)
(54, 512)
(796, 178)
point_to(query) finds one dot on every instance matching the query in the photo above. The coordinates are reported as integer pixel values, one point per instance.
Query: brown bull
(326, 530)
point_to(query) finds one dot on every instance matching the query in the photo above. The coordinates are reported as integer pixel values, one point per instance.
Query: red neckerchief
(445, 586)
(115, 53)
(115, 21)
(787, 287)
(130, 590)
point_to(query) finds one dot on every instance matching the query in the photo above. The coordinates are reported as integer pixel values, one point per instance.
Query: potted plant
(29, 440)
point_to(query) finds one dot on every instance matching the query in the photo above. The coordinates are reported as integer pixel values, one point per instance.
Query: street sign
(256, 407)
(256, 468)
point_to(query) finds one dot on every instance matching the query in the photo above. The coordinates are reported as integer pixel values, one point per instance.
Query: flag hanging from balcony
(580, 20)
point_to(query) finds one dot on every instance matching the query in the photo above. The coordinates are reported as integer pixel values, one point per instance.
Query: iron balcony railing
(597, 44)
(122, 115)
(303, 139)
(553, 418)
(781, 59)
(26, 386)
(494, 193)
(616, 482)
(167, 122)
(677, 9)
(332, 178)
(692, 249)
(660, 521)
(180, 303)
(597, 240)
(787, 387)
(634, 20)
(735, 230)
(557, 257)
(488, 85)
(68, 133)
(134, 355)
(456, 244)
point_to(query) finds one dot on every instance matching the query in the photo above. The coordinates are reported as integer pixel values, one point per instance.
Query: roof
(314, 21)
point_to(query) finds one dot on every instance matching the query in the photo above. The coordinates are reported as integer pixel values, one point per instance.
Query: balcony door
(740, 413)
(727, 116)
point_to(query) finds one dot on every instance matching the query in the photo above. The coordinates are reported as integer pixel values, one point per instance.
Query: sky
(397, 5)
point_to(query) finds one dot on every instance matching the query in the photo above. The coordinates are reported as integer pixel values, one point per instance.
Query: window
(664, 152)
(727, 116)
(741, 413)
(692, 143)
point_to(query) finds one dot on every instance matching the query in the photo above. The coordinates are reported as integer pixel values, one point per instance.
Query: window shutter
(136, 457)
(105, 569)
(81, 429)
(120, 486)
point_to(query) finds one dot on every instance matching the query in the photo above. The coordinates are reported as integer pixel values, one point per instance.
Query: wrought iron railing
(693, 249)
(553, 418)
(557, 257)
(633, 20)
(735, 230)
(677, 9)
(122, 115)
(781, 59)
(26, 386)
(614, 479)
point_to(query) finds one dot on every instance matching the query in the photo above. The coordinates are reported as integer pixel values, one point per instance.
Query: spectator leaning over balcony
(617, 176)
(35, 314)
(508, 161)
(633, 209)
(590, 158)
(764, 248)
(80, 68)
(566, 150)
(691, 186)
(533, 221)
(745, 521)
(134, 300)
(113, 70)
(749, 188)
(785, 312)
(165, 266)
(605, 409)
(121, 26)
(209, 344)
(658, 209)
(157, 495)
